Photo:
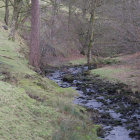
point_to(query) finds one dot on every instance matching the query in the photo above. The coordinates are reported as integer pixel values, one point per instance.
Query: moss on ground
(33, 107)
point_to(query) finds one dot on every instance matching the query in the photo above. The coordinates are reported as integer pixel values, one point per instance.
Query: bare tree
(70, 12)
(55, 8)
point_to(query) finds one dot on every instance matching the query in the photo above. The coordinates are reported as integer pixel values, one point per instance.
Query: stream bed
(119, 117)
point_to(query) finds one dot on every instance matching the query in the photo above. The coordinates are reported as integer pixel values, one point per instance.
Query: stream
(119, 118)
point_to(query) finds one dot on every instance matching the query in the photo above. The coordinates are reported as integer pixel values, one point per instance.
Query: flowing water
(117, 124)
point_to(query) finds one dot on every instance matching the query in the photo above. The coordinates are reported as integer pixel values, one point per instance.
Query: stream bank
(107, 102)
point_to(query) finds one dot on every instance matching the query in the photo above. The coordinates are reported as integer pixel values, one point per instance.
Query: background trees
(67, 27)
(20, 11)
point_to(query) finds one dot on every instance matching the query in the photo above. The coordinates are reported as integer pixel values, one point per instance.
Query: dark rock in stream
(100, 132)
(68, 78)
(106, 116)
(85, 73)
(135, 134)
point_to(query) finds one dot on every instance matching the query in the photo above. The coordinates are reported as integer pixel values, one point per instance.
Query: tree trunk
(91, 32)
(69, 17)
(90, 41)
(89, 56)
(84, 10)
(54, 13)
(6, 18)
(14, 24)
(34, 56)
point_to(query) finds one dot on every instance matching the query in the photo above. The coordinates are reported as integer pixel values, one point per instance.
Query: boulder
(5, 27)
(68, 78)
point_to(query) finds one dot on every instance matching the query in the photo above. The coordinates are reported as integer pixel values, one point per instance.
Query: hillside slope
(33, 107)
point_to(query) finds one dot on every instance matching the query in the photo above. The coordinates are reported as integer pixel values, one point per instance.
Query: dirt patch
(36, 97)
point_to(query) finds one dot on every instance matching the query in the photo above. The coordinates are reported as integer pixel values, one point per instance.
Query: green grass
(21, 116)
(107, 73)
(108, 61)
(80, 61)
(104, 61)
(33, 107)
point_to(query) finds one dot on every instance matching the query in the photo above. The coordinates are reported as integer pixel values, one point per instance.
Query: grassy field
(33, 107)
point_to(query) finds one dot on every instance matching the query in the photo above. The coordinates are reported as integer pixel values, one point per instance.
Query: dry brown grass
(132, 63)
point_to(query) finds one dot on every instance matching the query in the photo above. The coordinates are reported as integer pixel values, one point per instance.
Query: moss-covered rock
(68, 78)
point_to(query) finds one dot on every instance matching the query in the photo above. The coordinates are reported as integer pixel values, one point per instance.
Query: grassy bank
(33, 107)
(125, 72)
(109, 73)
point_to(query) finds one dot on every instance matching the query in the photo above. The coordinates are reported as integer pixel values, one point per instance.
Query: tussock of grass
(108, 61)
(35, 108)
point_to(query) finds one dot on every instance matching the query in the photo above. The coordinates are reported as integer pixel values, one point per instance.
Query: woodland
(69, 69)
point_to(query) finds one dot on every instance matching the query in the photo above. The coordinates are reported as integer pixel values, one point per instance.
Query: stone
(5, 27)
(68, 78)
